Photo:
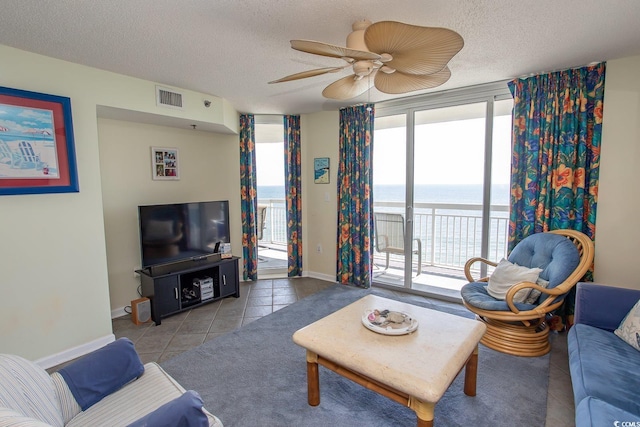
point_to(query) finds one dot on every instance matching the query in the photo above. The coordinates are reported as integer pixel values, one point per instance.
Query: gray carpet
(256, 376)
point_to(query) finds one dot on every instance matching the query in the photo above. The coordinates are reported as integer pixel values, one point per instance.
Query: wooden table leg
(424, 411)
(313, 379)
(471, 374)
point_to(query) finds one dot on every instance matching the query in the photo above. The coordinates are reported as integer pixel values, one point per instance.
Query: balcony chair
(261, 224)
(389, 237)
(519, 328)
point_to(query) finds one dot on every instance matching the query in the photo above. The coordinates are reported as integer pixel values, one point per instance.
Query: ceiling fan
(394, 57)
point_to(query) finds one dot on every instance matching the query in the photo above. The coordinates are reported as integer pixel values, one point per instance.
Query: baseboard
(74, 352)
(118, 312)
(321, 276)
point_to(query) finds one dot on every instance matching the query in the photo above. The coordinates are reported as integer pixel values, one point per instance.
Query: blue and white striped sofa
(30, 397)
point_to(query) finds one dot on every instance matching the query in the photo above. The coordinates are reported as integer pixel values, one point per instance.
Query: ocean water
(463, 194)
(449, 236)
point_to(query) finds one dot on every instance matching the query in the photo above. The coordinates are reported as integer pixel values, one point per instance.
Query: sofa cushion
(593, 412)
(154, 388)
(11, 418)
(69, 407)
(603, 306)
(101, 372)
(27, 388)
(605, 367)
(184, 411)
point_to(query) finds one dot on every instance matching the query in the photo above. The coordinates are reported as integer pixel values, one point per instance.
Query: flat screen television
(182, 231)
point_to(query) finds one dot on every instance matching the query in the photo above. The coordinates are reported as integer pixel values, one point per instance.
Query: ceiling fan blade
(325, 49)
(399, 82)
(347, 87)
(309, 73)
(415, 50)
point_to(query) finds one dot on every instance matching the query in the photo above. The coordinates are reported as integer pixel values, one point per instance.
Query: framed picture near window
(37, 152)
(164, 164)
(321, 170)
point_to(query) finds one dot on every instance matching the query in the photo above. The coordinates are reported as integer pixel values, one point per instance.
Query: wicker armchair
(519, 328)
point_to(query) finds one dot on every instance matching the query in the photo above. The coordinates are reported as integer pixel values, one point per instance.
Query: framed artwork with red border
(37, 151)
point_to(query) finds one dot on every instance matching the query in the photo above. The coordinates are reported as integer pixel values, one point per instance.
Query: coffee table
(414, 369)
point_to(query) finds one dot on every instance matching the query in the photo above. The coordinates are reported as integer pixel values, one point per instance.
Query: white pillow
(508, 274)
(629, 329)
(535, 294)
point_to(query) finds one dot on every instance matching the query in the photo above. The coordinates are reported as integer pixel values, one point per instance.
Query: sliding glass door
(448, 171)
(389, 195)
(271, 215)
(441, 191)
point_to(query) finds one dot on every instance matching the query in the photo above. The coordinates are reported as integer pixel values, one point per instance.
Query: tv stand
(182, 286)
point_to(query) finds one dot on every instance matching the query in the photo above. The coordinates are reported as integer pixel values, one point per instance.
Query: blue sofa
(605, 370)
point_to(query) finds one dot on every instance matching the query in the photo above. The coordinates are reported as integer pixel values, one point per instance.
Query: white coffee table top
(422, 364)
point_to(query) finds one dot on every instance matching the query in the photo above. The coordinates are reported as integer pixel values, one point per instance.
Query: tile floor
(189, 329)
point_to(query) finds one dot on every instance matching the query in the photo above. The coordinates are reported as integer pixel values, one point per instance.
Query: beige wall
(617, 233)
(55, 290)
(208, 171)
(319, 138)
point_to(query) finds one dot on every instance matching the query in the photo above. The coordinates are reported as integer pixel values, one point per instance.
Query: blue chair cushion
(476, 295)
(556, 255)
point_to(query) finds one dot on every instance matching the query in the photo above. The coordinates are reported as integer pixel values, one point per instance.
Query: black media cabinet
(176, 288)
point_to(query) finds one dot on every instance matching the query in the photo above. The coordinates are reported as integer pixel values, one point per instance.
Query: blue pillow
(184, 411)
(102, 372)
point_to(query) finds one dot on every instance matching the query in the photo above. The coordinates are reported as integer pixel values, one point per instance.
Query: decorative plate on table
(389, 322)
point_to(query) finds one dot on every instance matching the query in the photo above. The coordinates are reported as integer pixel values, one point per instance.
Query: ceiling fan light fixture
(355, 39)
(362, 68)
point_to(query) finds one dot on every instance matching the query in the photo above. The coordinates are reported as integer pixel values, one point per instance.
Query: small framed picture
(321, 170)
(164, 164)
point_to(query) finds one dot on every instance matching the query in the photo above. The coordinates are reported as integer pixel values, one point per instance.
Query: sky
(270, 163)
(445, 153)
(449, 152)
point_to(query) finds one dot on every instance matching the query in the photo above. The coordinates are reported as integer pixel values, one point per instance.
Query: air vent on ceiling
(168, 98)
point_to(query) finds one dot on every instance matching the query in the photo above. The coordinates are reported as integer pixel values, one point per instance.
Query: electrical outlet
(319, 248)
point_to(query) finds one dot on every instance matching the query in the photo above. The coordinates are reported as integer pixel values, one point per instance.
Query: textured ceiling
(232, 48)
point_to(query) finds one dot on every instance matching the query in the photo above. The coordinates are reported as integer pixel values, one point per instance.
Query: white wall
(208, 171)
(617, 232)
(319, 138)
(54, 282)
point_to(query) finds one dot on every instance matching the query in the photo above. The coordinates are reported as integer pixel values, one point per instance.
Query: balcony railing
(275, 231)
(450, 233)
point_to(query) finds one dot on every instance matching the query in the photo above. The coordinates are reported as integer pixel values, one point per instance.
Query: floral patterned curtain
(248, 197)
(557, 129)
(355, 201)
(293, 185)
